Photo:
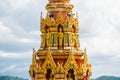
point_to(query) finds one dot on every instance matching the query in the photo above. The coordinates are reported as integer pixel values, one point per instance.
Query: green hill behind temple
(107, 78)
(11, 78)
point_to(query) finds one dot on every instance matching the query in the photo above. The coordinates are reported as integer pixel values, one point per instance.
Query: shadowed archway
(49, 74)
(70, 74)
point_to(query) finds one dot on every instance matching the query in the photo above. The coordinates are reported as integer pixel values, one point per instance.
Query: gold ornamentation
(60, 19)
(60, 67)
(71, 63)
(73, 36)
(49, 62)
(52, 7)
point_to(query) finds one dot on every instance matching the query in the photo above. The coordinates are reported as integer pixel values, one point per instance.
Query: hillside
(107, 78)
(10, 78)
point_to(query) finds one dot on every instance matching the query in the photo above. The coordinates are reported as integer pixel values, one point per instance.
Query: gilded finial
(85, 50)
(85, 56)
(41, 16)
(77, 15)
(34, 58)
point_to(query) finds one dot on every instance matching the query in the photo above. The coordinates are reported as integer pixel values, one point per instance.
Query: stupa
(59, 56)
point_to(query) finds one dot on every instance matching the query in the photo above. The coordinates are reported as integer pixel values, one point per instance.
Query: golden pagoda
(60, 56)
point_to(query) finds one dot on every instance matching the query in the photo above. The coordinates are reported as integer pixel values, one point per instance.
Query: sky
(99, 25)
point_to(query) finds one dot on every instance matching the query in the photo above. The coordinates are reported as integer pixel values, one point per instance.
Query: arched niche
(70, 74)
(60, 27)
(74, 28)
(46, 27)
(60, 37)
(49, 75)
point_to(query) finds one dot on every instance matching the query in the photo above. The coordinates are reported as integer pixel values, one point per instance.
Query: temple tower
(60, 56)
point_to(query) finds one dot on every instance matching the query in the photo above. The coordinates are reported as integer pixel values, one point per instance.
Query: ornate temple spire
(59, 55)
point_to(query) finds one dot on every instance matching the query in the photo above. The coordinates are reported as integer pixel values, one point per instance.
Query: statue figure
(73, 39)
(47, 37)
(60, 34)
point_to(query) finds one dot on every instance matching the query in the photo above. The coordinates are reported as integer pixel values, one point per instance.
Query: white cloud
(4, 29)
(25, 40)
(105, 20)
(6, 34)
(37, 33)
(19, 3)
(18, 55)
(9, 68)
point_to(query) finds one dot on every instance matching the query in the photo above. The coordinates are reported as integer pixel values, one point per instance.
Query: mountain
(107, 78)
(11, 78)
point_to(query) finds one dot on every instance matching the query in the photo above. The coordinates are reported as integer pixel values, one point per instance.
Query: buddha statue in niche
(47, 38)
(60, 38)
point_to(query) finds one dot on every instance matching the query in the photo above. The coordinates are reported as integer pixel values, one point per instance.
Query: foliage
(11, 78)
(107, 78)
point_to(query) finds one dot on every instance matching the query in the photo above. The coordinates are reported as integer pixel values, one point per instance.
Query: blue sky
(99, 22)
